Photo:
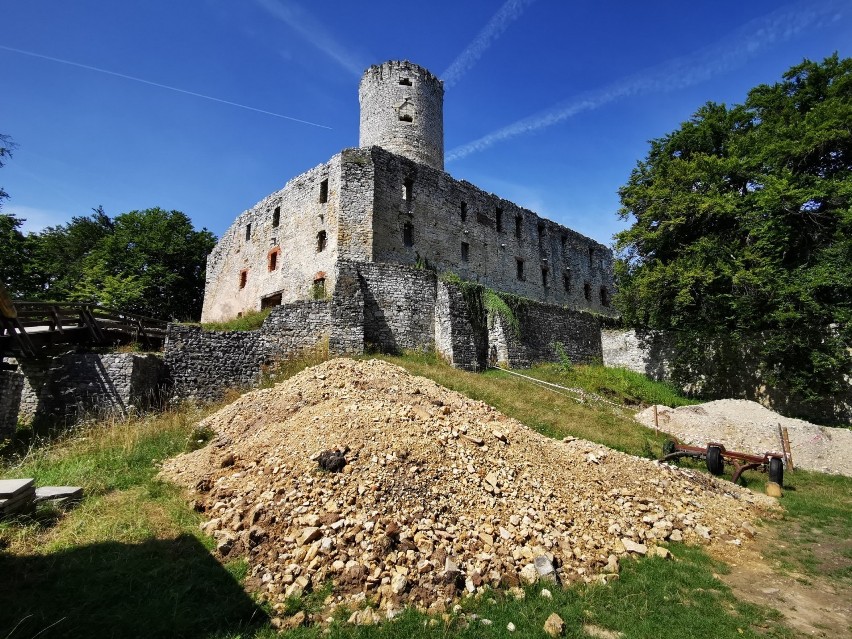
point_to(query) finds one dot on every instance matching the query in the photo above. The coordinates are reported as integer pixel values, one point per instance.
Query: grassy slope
(129, 561)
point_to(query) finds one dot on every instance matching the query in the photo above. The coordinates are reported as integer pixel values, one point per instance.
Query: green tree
(742, 232)
(58, 254)
(14, 255)
(151, 262)
(6, 148)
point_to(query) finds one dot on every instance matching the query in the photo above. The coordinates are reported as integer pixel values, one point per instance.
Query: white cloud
(723, 55)
(313, 31)
(509, 12)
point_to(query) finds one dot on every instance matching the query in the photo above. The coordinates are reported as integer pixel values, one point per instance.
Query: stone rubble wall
(646, 352)
(545, 332)
(75, 384)
(399, 307)
(730, 370)
(560, 266)
(11, 386)
(456, 339)
(402, 110)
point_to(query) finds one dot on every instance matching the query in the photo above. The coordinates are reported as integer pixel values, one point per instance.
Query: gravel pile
(748, 427)
(439, 494)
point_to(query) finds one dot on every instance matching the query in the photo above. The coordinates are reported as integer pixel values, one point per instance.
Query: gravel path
(748, 427)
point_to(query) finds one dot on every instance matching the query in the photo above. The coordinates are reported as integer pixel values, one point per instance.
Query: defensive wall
(71, 385)
(374, 307)
(727, 368)
(370, 205)
(383, 307)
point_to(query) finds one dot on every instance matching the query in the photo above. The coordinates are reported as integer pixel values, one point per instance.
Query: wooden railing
(35, 321)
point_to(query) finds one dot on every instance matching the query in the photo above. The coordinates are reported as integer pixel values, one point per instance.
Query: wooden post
(787, 450)
(656, 421)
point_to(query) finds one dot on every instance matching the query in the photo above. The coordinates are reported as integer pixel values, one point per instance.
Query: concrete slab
(11, 487)
(65, 493)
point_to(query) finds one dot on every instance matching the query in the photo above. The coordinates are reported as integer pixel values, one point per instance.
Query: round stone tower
(402, 110)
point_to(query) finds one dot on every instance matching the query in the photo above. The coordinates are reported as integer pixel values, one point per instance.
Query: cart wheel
(776, 471)
(715, 464)
(669, 447)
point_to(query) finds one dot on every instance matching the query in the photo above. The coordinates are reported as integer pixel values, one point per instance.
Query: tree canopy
(149, 262)
(742, 229)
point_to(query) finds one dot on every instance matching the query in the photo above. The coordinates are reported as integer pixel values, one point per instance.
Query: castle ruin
(390, 202)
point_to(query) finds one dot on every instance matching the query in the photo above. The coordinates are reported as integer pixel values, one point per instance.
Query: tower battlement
(402, 111)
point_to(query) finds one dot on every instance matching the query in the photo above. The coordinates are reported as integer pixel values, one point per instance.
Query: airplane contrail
(723, 55)
(511, 10)
(161, 86)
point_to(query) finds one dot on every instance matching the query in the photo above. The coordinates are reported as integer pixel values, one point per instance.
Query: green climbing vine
(484, 302)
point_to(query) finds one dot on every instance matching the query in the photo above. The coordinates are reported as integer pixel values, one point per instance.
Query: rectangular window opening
(407, 189)
(519, 268)
(499, 215)
(587, 291)
(408, 234)
(540, 233)
(248, 231)
(243, 278)
(463, 211)
(591, 256)
(604, 296)
(318, 289)
(322, 240)
(405, 82)
(276, 216)
(324, 191)
(519, 222)
(544, 273)
(270, 301)
(272, 260)
(405, 117)
(566, 282)
(465, 251)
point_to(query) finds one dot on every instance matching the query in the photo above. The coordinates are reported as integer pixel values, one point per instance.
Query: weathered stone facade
(65, 387)
(11, 385)
(386, 307)
(391, 202)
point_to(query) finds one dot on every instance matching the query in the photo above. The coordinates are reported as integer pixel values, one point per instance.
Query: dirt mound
(439, 493)
(748, 427)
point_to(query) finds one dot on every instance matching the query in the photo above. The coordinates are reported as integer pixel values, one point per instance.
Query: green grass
(130, 560)
(249, 321)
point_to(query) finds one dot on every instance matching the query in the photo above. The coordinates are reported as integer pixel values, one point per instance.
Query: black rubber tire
(776, 471)
(715, 463)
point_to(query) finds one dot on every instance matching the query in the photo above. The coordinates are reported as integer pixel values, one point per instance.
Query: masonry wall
(68, 386)
(728, 369)
(399, 306)
(11, 385)
(559, 266)
(545, 332)
(459, 338)
(240, 271)
(647, 352)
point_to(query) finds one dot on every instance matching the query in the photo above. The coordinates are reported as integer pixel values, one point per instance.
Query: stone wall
(728, 369)
(458, 335)
(402, 110)
(11, 385)
(544, 333)
(66, 387)
(241, 269)
(451, 225)
(647, 352)
(399, 306)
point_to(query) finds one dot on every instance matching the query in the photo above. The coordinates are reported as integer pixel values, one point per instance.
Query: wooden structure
(28, 329)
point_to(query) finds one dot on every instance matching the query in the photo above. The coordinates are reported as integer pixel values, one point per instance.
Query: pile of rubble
(428, 494)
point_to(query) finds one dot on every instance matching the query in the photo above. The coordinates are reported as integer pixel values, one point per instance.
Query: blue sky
(207, 106)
